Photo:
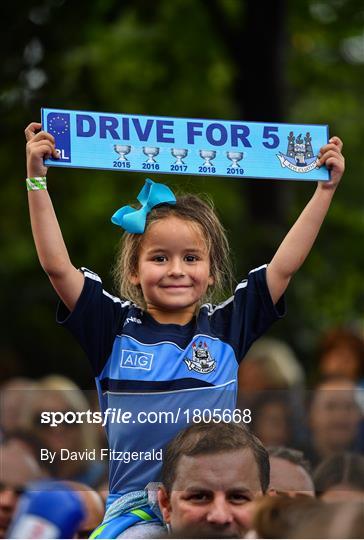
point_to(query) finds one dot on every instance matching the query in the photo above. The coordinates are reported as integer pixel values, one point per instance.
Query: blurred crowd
(314, 437)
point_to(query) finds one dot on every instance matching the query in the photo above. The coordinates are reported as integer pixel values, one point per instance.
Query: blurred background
(280, 61)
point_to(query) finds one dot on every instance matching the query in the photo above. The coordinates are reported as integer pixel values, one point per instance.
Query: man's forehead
(222, 470)
(287, 476)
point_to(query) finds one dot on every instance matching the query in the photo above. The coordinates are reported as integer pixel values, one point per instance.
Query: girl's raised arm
(52, 252)
(297, 244)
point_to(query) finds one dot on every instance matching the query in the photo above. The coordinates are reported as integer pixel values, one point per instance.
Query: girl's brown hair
(190, 208)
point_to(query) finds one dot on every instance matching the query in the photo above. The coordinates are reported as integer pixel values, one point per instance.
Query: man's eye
(239, 498)
(198, 497)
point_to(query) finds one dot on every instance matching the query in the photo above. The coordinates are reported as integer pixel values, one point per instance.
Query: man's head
(209, 472)
(289, 473)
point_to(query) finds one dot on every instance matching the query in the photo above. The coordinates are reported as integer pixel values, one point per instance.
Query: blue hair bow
(151, 195)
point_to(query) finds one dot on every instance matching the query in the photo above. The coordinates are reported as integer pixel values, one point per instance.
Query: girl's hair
(189, 208)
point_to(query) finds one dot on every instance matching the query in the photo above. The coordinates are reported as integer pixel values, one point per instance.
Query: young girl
(160, 354)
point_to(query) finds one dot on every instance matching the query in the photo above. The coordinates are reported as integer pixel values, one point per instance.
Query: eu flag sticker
(58, 124)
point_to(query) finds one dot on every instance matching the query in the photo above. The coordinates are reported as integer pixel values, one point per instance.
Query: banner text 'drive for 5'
(234, 149)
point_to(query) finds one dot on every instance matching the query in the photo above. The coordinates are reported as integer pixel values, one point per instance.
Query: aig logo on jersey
(136, 360)
(202, 361)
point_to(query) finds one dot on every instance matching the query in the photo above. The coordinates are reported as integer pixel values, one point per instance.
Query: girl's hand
(331, 156)
(40, 145)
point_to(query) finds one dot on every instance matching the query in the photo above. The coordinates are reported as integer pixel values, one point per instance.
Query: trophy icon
(235, 157)
(179, 154)
(151, 152)
(122, 149)
(207, 155)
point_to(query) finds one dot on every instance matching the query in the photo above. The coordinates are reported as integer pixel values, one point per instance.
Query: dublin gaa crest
(299, 156)
(202, 361)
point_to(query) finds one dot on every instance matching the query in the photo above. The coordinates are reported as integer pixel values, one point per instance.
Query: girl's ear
(134, 279)
(211, 281)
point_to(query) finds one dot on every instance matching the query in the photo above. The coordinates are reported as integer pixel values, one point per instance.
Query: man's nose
(220, 512)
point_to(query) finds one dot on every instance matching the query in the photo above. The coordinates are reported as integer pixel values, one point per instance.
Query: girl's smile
(173, 269)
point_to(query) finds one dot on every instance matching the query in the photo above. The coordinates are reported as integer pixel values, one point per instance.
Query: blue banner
(125, 142)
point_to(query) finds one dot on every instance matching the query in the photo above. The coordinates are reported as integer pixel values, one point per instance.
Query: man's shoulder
(145, 530)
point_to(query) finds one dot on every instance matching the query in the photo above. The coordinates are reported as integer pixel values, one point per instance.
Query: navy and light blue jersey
(142, 366)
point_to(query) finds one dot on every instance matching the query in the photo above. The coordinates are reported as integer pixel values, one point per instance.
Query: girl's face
(173, 269)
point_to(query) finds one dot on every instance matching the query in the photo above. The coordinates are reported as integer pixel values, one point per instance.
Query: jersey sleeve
(95, 321)
(248, 314)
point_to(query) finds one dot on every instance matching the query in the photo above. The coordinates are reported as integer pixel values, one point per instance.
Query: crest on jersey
(202, 361)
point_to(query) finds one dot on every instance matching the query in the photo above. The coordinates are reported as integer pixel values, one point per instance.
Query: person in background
(17, 468)
(271, 384)
(272, 419)
(17, 395)
(341, 354)
(59, 394)
(340, 478)
(305, 517)
(29, 442)
(336, 520)
(333, 420)
(270, 364)
(289, 473)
